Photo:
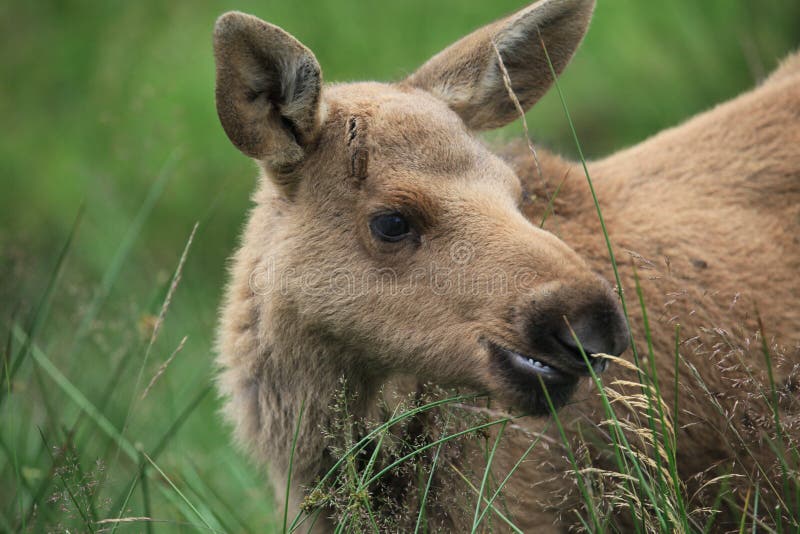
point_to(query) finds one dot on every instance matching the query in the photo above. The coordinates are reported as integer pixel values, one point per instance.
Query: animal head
(393, 232)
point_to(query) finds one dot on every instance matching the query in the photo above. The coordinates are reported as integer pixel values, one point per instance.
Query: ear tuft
(268, 89)
(468, 76)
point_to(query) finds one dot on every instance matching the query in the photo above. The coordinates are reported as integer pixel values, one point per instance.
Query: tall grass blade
(41, 311)
(780, 447)
(176, 278)
(666, 431)
(744, 510)
(600, 217)
(623, 452)
(512, 471)
(77, 397)
(551, 203)
(121, 255)
(156, 451)
(571, 457)
(291, 465)
(223, 501)
(146, 500)
(755, 506)
(676, 392)
(486, 472)
(180, 494)
(434, 463)
(499, 514)
(191, 481)
(610, 248)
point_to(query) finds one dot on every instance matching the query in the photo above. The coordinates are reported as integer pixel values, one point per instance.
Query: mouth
(526, 375)
(531, 367)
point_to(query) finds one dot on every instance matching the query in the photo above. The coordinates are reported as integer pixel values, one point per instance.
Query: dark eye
(391, 227)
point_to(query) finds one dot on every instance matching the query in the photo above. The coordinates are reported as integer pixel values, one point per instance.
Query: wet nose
(600, 328)
(595, 316)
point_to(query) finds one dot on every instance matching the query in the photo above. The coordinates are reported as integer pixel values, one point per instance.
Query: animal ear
(468, 77)
(268, 89)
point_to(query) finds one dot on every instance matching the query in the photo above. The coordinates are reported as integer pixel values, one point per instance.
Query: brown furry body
(708, 212)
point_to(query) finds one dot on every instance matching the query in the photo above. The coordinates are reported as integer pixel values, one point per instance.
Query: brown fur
(708, 212)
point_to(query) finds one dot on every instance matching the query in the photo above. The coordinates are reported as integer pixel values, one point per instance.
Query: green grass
(113, 152)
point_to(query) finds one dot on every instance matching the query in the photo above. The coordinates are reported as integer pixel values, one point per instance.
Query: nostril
(586, 339)
(599, 330)
(594, 318)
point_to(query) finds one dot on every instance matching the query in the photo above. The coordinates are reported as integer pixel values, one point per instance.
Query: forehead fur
(404, 127)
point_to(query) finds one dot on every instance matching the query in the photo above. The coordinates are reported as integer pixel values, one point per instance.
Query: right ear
(268, 90)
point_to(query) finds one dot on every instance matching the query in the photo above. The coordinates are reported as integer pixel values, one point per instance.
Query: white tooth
(530, 361)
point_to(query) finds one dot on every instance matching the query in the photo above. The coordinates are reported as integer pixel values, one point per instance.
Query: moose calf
(377, 202)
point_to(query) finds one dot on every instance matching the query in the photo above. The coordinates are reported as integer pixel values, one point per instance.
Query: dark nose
(593, 315)
(600, 328)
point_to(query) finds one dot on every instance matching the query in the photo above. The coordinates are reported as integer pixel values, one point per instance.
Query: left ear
(467, 74)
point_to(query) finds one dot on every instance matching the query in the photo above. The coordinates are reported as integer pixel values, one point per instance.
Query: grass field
(113, 153)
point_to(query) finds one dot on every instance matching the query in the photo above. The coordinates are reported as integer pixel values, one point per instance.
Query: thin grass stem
(179, 492)
(571, 457)
(486, 472)
(434, 463)
(512, 471)
(291, 465)
(499, 514)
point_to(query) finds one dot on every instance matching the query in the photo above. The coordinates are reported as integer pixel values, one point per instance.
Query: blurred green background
(109, 106)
